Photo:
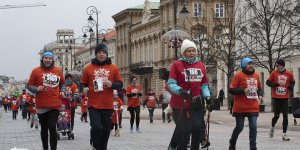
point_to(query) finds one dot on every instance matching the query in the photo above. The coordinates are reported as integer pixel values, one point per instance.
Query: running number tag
(280, 90)
(98, 84)
(116, 105)
(135, 91)
(253, 93)
(14, 102)
(151, 98)
(24, 98)
(252, 85)
(51, 80)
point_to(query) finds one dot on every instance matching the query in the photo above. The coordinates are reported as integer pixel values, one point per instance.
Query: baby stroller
(64, 121)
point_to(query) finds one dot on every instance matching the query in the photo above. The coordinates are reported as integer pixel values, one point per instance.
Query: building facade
(65, 48)
(283, 42)
(140, 49)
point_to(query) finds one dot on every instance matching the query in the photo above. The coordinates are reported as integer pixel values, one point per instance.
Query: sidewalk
(223, 117)
(154, 136)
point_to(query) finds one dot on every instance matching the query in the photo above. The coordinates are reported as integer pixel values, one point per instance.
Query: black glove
(208, 103)
(275, 85)
(196, 98)
(291, 87)
(185, 94)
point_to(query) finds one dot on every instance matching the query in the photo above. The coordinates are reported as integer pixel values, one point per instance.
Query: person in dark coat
(221, 97)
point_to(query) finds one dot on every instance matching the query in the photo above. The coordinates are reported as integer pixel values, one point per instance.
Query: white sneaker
(271, 133)
(138, 130)
(131, 130)
(285, 137)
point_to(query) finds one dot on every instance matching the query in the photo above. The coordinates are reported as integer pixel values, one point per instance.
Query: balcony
(141, 68)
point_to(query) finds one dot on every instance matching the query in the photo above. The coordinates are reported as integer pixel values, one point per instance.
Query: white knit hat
(187, 44)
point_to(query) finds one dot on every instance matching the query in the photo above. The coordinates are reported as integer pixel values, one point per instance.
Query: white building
(283, 41)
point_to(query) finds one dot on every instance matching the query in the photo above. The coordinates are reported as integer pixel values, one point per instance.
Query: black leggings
(15, 114)
(281, 106)
(134, 112)
(48, 121)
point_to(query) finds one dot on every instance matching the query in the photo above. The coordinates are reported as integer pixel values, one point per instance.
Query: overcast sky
(24, 31)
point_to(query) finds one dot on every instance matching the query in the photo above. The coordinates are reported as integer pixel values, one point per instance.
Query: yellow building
(140, 50)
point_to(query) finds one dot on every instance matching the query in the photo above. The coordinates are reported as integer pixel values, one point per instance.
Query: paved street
(156, 136)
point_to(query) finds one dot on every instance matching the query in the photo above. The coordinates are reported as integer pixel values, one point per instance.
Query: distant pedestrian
(23, 98)
(164, 100)
(83, 106)
(5, 103)
(281, 82)
(150, 101)
(14, 108)
(221, 97)
(121, 96)
(118, 107)
(10, 98)
(46, 81)
(247, 91)
(134, 92)
(32, 110)
(71, 95)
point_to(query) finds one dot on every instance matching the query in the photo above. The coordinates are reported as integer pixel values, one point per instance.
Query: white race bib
(98, 84)
(280, 90)
(252, 94)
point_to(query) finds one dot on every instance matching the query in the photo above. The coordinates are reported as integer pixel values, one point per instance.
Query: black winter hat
(280, 62)
(68, 75)
(101, 47)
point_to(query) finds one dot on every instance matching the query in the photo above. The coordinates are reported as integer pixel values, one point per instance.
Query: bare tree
(217, 40)
(270, 31)
(224, 39)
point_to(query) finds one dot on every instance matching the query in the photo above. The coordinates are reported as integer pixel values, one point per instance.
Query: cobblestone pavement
(156, 136)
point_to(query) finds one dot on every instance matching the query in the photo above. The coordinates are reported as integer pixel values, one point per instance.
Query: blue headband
(48, 54)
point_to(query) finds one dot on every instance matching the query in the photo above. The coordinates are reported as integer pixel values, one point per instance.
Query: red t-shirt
(24, 98)
(197, 77)
(102, 99)
(5, 101)
(72, 89)
(283, 79)
(117, 112)
(51, 79)
(32, 107)
(133, 101)
(246, 103)
(14, 105)
(151, 100)
(83, 105)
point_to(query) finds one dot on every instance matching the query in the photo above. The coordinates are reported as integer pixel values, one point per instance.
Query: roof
(112, 34)
(153, 5)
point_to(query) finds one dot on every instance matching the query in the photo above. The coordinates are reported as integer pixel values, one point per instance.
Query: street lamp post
(175, 36)
(86, 29)
(90, 11)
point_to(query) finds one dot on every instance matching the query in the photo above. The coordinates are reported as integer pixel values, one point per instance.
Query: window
(197, 10)
(219, 11)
